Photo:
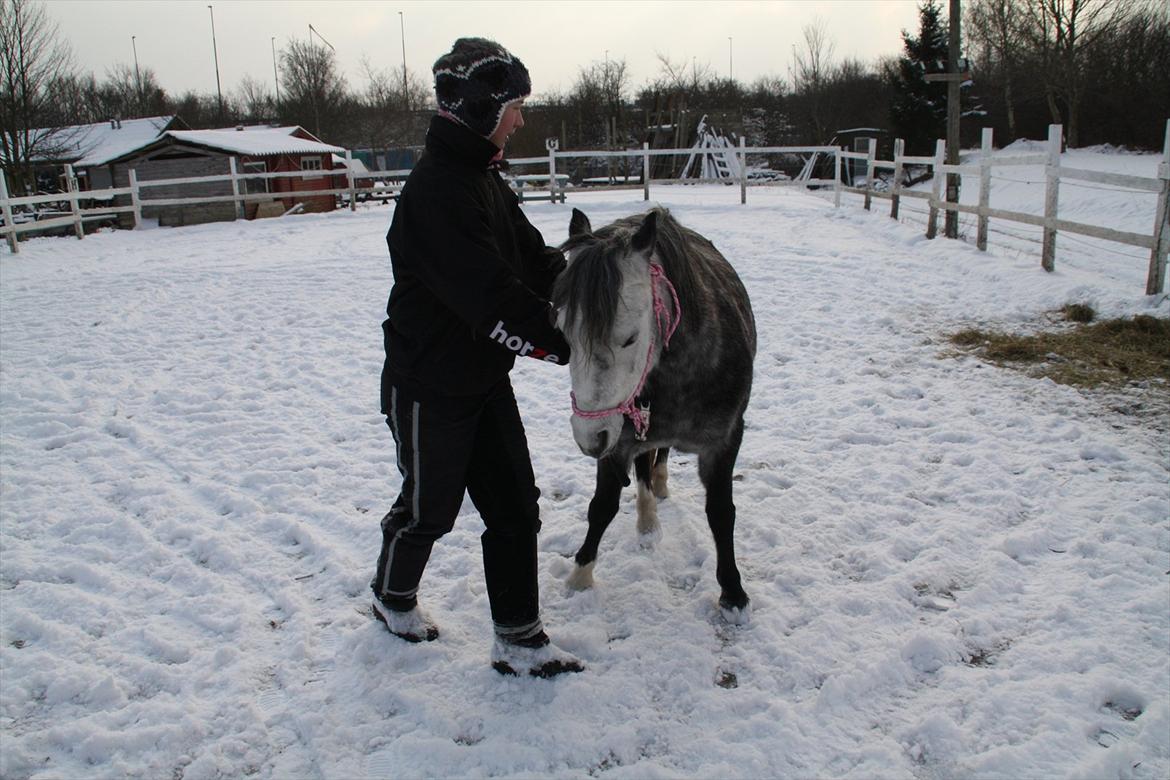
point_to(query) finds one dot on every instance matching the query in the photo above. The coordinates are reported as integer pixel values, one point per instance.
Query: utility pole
(405, 88)
(953, 54)
(313, 92)
(215, 51)
(137, 73)
(275, 78)
(954, 77)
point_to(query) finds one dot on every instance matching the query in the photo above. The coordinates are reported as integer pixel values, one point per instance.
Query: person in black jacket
(472, 278)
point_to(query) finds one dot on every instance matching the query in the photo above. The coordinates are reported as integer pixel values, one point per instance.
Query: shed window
(252, 186)
(310, 163)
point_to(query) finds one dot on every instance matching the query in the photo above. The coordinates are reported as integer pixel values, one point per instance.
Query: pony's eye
(630, 341)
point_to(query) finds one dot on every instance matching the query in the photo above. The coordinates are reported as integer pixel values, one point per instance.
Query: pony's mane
(588, 290)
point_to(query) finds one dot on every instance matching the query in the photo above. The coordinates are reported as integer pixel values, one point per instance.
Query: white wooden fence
(1157, 241)
(87, 205)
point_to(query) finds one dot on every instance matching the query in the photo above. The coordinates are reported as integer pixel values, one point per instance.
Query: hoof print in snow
(1127, 710)
(925, 597)
(725, 679)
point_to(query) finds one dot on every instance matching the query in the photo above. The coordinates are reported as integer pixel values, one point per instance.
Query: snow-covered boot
(412, 625)
(536, 656)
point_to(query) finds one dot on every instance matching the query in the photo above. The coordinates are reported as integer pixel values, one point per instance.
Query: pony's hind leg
(715, 470)
(658, 474)
(611, 477)
(647, 505)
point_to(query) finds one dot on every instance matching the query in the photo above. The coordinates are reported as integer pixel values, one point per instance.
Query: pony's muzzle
(596, 437)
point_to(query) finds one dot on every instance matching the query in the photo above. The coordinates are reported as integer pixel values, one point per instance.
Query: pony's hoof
(647, 540)
(582, 577)
(648, 526)
(736, 616)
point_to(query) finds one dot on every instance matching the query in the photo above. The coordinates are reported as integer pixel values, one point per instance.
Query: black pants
(447, 445)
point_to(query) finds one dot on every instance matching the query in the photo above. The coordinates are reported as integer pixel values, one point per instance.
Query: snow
(255, 140)
(98, 143)
(956, 570)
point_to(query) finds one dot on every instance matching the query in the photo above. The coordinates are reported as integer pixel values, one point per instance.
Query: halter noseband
(640, 415)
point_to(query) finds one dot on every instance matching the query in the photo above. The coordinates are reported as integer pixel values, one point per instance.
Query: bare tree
(314, 90)
(812, 69)
(680, 81)
(33, 62)
(255, 100)
(599, 96)
(994, 25)
(1061, 33)
(389, 106)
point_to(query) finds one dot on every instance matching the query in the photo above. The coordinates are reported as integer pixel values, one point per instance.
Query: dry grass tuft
(1108, 353)
(1078, 312)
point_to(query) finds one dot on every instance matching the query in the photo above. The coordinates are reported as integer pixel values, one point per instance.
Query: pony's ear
(579, 223)
(644, 238)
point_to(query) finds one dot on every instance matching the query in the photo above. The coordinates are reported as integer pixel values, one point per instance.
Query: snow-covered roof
(100, 142)
(357, 165)
(256, 140)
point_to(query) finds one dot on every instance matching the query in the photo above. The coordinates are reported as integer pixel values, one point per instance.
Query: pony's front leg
(647, 505)
(611, 478)
(658, 474)
(716, 471)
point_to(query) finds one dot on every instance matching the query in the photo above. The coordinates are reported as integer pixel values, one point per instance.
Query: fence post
(1051, 195)
(551, 144)
(984, 188)
(940, 151)
(869, 159)
(135, 199)
(742, 170)
(837, 178)
(1156, 280)
(896, 193)
(6, 207)
(239, 204)
(646, 170)
(74, 206)
(349, 180)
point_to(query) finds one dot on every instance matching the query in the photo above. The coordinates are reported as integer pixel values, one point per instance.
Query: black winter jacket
(471, 275)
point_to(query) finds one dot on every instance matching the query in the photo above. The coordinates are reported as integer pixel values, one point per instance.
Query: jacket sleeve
(454, 254)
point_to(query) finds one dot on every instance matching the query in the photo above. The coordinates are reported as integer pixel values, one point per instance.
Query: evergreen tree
(918, 112)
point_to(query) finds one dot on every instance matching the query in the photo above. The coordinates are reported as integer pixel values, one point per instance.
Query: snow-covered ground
(956, 570)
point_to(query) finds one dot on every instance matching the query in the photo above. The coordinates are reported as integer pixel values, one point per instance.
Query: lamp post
(215, 52)
(275, 78)
(137, 73)
(730, 71)
(405, 89)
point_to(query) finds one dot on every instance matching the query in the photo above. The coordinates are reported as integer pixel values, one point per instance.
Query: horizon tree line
(1099, 67)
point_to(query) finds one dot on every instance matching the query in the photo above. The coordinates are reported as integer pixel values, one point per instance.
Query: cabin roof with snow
(253, 141)
(97, 143)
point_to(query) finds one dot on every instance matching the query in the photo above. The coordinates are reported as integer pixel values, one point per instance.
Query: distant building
(181, 154)
(82, 145)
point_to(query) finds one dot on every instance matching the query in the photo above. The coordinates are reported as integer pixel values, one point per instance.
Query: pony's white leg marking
(737, 616)
(582, 576)
(658, 477)
(647, 510)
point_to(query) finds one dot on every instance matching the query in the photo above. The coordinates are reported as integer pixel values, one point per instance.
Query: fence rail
(1157, 241)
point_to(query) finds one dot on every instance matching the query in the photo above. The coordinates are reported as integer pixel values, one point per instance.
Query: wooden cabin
(182, 154)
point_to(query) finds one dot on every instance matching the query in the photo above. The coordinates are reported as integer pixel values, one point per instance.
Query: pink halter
(640, 415)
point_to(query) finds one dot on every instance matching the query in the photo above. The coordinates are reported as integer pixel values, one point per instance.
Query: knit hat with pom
(476, 80)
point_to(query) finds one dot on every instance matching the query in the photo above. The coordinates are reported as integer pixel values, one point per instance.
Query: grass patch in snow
(1089, 354)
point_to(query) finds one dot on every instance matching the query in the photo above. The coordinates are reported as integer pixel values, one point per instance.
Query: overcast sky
(554, 39)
